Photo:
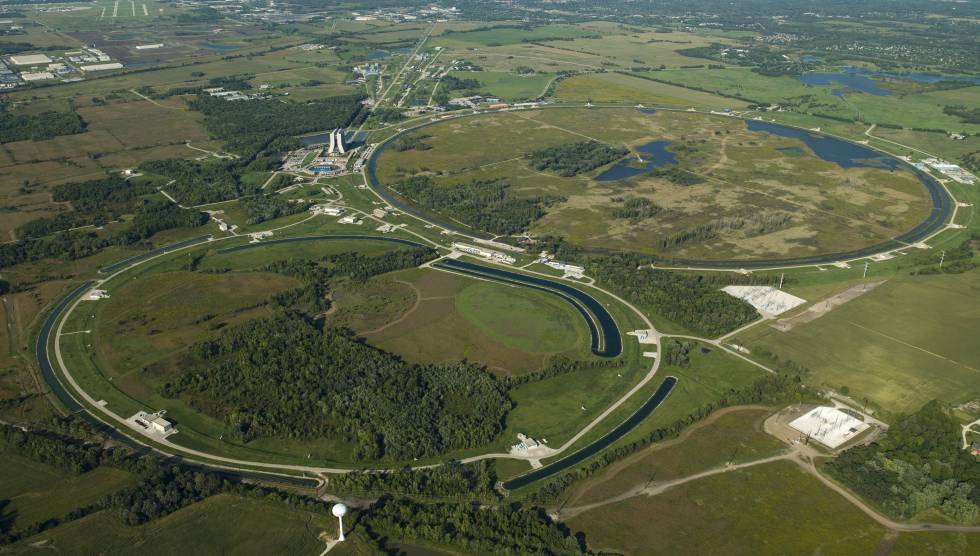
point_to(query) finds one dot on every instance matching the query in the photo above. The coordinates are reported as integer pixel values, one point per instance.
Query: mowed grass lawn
(36, 492)
(904, 343)
(615, 87)
(508, 328)
(733, 435)
(774, 508)
(222, 524)
(509, 86)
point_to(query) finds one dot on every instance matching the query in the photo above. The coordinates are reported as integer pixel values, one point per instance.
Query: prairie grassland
(817, 205)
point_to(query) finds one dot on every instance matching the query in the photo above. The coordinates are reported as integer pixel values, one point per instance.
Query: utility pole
(942, 257)
(865, 276)
(781, 276)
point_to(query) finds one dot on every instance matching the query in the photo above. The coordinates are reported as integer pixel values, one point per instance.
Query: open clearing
(900, 345)
(758, 510)
(755, 195)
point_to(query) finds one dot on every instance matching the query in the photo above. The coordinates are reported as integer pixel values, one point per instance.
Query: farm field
(617, 87)
(891, 345)
(757, 510)
(751, 195)
(221, 524)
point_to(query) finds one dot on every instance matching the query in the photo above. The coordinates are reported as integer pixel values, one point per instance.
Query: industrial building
(337, 142)
(828, 426)
(489, 254)
(29, 59)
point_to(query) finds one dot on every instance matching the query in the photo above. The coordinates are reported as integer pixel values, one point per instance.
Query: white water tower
(340, 510)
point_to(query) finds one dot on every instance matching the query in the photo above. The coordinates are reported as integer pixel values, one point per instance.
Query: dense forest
(93, 202)
(474, 481)
(195, 183)
(472, 529)
(690, 300)
(284, 376)
(248, 127)
(38, 127)
(260, 208)
(916, 466)
(575, 158)
(483, 205)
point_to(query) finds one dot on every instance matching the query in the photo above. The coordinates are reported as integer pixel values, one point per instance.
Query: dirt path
(684, 435)
(418, 301)
(722, 157)
(800, 456)
(823, 307)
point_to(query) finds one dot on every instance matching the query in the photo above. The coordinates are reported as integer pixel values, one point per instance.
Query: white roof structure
(766, 299)
(29, 59)
(829, 426)
(101, 67)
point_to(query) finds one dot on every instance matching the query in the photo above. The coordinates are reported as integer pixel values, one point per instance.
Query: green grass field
(733, 437)
(904, 343)
(35, 492)
(223, 524)
(509, 86)
(771, 509)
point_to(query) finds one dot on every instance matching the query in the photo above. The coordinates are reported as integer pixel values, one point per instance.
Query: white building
(161, 425)
(101, 67)
(489, 254)
(36, 76)
(329, 210)
(29, 59)
(829, 426)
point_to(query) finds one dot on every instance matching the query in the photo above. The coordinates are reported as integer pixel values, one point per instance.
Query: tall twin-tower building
(337, 142)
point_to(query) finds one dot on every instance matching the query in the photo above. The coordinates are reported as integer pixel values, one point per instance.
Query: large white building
(29, 59)
(829, 426)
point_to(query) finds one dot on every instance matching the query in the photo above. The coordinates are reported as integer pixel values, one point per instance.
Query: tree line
(452, 480)
(481, 204)
(572, 159)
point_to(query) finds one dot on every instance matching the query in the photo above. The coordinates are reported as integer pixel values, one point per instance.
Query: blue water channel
(856, 82)
(654, 154)
(606, 340)
(152, 253)
(918, 77)
(604, 442)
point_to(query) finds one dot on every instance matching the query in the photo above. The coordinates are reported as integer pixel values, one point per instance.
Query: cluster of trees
(483, 205)
(163, 490)
(968, 114)
(678, 353)
(575, 158)
(918, 465)
(451, 480)
(93, 202)
(955, 261)
(317, 274)
(677, 175)
(750, 225)
(411, 142)
(260, 208)
(508, 530)
(249, 127)
(637, 208)
(770, 389)
(561, 365)
(691, 300)
(453, 83)
(284, 376)
(37, 127)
